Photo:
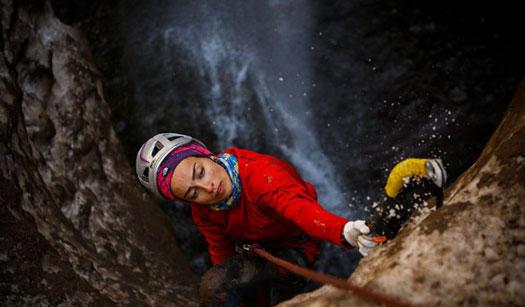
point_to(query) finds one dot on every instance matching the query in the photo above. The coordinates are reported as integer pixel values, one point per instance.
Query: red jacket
(275, 209)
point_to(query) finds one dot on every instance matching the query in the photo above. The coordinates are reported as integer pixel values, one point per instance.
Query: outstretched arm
(294, 205)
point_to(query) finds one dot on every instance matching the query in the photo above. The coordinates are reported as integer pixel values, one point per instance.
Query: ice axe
(387, 218)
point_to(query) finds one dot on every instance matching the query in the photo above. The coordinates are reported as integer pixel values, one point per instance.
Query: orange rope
(331, 280)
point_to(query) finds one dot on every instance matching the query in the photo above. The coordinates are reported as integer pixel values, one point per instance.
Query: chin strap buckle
(245, 247)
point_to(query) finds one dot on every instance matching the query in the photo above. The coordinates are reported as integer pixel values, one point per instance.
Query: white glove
(356, 234)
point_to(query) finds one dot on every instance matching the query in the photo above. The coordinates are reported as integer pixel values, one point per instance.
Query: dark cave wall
(471, 252)
(77, 229)
(380, 69)
(76, 226)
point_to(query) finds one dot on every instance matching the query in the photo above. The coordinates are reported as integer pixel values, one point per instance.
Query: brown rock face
(471, 251)
(76, 228)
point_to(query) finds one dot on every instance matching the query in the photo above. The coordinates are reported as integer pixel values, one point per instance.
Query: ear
(213, 157)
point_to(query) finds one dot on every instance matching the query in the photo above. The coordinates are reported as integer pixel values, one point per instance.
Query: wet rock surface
(469, 252)
(77, 229)
(389, 80)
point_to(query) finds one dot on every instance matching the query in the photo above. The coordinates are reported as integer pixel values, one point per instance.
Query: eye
(201, 173)
(194, 194)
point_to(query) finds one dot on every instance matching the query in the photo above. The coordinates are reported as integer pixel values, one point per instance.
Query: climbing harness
(327, 279)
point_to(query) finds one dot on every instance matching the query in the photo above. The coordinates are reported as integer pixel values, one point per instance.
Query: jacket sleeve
(220, 246)
(289, 198)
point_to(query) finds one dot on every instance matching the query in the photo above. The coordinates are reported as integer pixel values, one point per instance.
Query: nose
(206, 186)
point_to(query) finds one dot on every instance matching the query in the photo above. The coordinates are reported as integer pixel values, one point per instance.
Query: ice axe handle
(379, 239)
(376, 237)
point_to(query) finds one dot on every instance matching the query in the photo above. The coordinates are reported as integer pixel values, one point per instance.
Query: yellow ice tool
(404, 169)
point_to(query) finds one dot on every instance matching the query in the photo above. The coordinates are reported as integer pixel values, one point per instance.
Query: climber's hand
(366, 244)
(356, 234)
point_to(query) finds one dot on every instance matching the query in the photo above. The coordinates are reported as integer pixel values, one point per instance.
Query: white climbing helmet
(153, 152)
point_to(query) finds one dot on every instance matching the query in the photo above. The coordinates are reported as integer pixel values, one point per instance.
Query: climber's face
(200, 180)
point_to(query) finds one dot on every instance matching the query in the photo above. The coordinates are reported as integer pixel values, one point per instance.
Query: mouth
(219, 190)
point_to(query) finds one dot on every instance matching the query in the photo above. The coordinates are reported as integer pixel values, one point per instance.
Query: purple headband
(168, 165)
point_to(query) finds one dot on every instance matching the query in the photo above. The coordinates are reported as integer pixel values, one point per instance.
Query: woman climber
(240, 196)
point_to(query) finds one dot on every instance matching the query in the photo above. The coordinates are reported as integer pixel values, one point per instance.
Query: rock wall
(76, 227)
(471, 252)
